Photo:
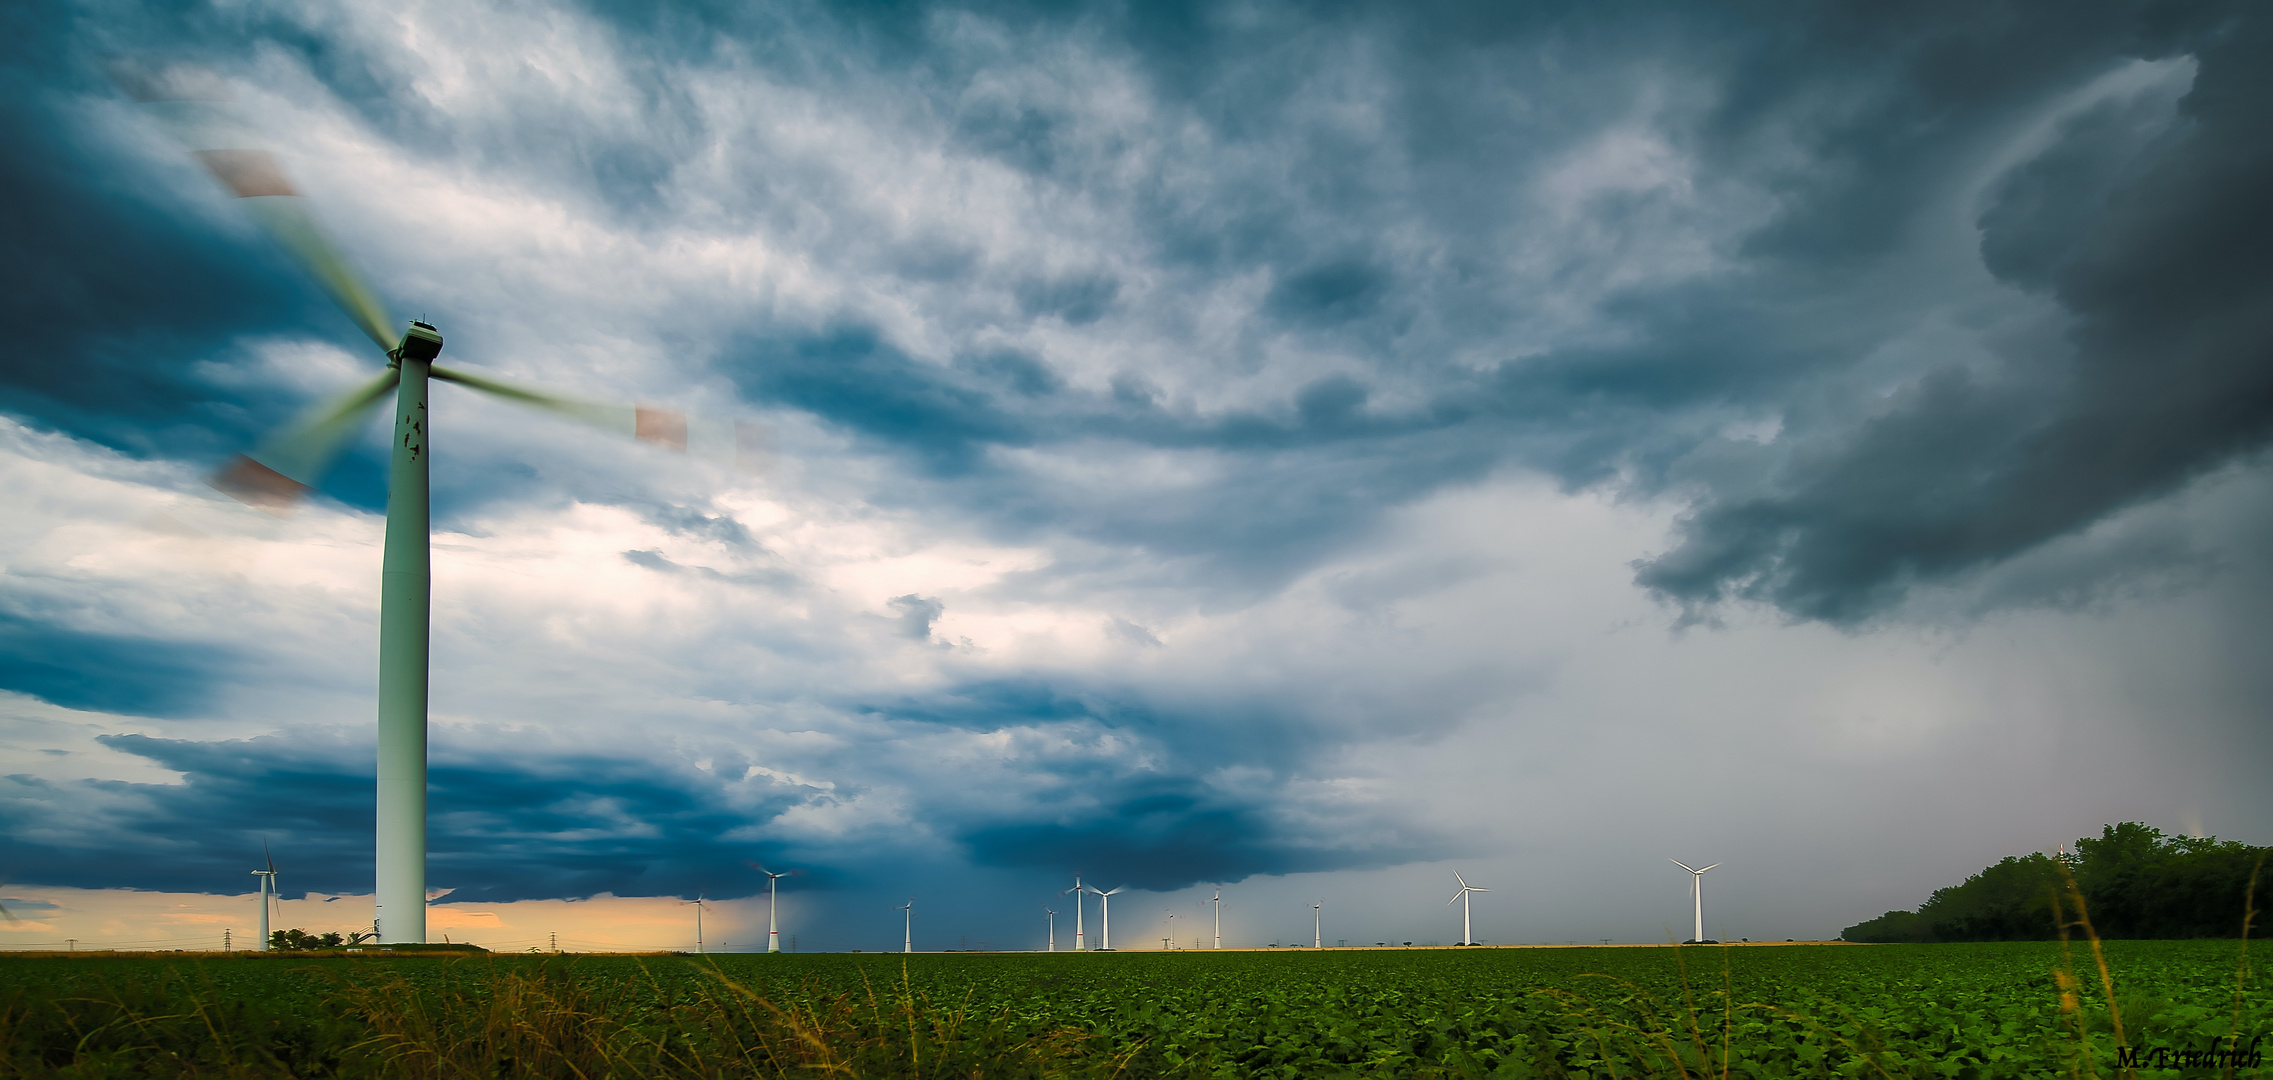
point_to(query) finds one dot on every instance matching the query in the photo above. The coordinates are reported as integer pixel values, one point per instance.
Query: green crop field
(1965, 1011)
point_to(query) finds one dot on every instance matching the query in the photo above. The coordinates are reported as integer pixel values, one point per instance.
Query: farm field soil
(1971, 1011)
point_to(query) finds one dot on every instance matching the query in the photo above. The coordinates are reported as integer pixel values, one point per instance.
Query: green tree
(296, 939)
(2136, 881)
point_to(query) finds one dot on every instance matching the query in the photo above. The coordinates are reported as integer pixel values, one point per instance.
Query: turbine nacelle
(421, 342)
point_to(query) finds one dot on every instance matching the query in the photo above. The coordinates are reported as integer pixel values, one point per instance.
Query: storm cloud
(1202, 443)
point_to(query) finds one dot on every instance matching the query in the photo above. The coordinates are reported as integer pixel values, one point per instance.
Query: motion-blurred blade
(194, 106)
(275, 476)
(737, 443)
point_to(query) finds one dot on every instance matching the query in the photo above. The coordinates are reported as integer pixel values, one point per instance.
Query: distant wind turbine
(773, 908)
(267, 889)
(697, 902)
(1080, 940)
(908, 927)
(1696, 896)
(1467, 929)
(1218, 903)
(1053, 929)
(1105, 914)
(1318, 922)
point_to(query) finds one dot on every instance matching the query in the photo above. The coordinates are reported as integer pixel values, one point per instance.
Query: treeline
(301, 939)
(2135, 881)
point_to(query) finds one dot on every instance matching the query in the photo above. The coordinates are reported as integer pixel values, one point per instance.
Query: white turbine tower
(1467, 929)
(1053, 929)
(773, 910)
(1317, 922)
(1696, 896)
(908, 927)
(1105, 915)
(267, 889)
(1218, 902)
(1080, 939)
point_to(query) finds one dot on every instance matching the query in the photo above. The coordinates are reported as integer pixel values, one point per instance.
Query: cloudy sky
(1306, 448)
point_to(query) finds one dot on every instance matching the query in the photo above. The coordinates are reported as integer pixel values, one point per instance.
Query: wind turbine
(908, 930)
(1105, 914)
(697, 902)
(1053, 929)
(773, 908)
(1467, 929)
(1218, 903)
(1697, 896)
(1080, 941)
(194, 105)
(1318, 921)
(267, 889)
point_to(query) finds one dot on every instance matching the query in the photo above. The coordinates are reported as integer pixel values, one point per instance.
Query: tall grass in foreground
(1637, 1035)
(540, 1021)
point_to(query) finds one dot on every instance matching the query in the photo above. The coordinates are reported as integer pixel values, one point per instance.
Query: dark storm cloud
(1159, 823)
(2140, 229)
(2154, 238)
(2142, 225)
(575, 827)
(108, 672)
(1162, 834)
(856, 379)
(1889, 109)
(1311, 470)
(107, 300)
(558, 828)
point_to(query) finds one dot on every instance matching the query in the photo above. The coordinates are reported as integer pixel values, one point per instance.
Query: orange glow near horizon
(55, 917)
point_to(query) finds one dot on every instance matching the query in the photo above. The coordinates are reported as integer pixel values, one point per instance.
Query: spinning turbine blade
(290, 462)
(734, 442)
(194, 106)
